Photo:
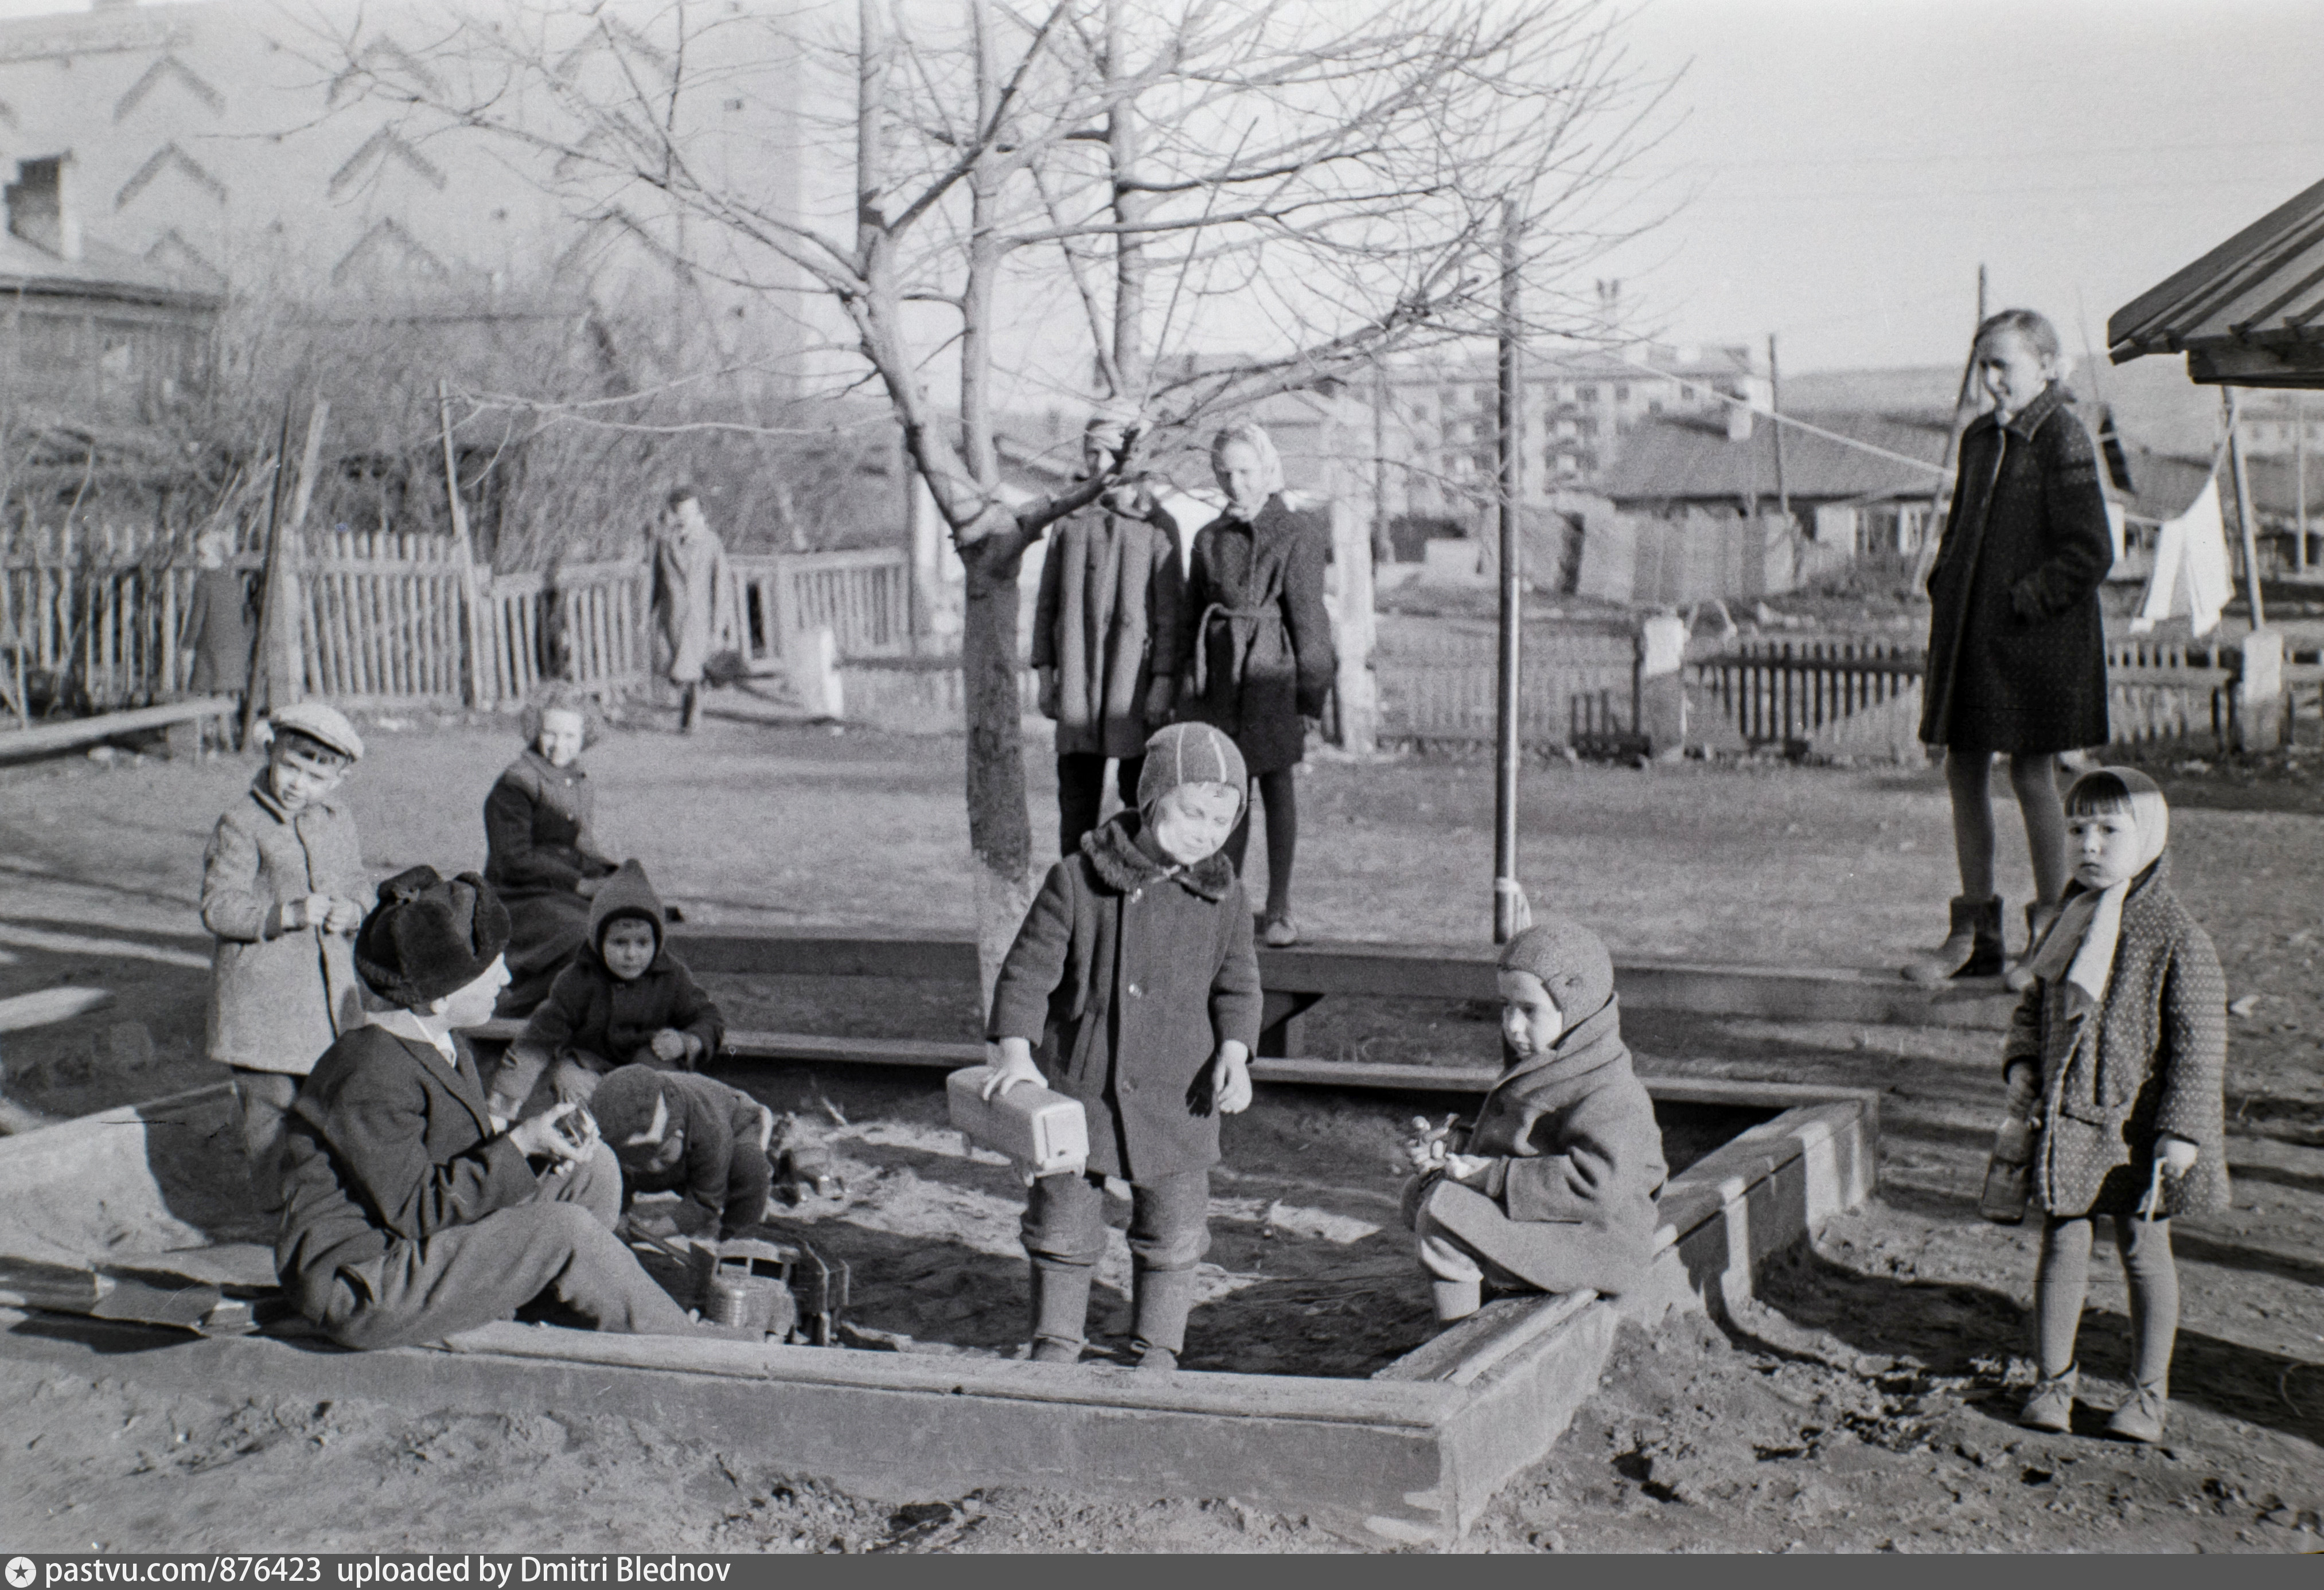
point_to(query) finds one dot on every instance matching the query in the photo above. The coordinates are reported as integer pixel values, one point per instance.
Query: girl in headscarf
(2118, 1052)
(1258, 660)
(542, 859)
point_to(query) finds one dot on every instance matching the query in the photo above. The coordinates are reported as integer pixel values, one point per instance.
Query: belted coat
(1126, 977)
(1111, 601)
(1257, 655)
(2150, 1058)
(280, 997)
(2016, 645)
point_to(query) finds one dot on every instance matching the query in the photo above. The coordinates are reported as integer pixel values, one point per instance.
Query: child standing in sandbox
(1135, 975)
(1553, 1188)
(284, 889)
(2119, 1051)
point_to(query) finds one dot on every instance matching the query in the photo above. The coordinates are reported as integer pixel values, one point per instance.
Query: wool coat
(218, 633)
(1577, 1164)
(596, 1019)
(1127, 976)
(279, 998)
(1258, 657)
(538, 847)
(719, 1163)
(386, 1144)
(692, 599)
(2016, 648)
(1112, 601)
(2150, 1058)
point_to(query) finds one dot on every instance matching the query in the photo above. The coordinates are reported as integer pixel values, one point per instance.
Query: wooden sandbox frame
(1413, 1455)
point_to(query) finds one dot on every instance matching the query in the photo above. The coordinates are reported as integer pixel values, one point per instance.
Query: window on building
(1654, 405)
(1587, 394)
(1568, 464)
(1621, 393)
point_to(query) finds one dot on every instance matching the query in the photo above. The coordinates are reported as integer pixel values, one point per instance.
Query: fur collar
(1123, 864)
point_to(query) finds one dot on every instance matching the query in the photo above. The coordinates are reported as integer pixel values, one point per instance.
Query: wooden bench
(74, 731)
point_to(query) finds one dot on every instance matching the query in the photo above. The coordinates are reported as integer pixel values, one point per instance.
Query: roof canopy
(2249, 313)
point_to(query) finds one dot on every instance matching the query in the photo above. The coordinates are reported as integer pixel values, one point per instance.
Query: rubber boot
(1162, 1298)
(1061, 1295)
(689, 711)
(1455, 1300)
(1972, 949)
(2020, 975)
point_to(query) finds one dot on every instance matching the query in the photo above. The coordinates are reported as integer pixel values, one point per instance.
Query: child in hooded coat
(677, 1132)
(2119, 1051)
(597, 1017)
(1554, 1188)
(1133, 986)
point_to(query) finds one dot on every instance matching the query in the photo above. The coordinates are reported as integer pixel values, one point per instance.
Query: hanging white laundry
(2191, 573)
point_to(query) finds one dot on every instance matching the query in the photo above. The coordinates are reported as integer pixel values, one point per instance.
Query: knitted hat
(627, 893)
(323, 723)
(1188, 753)
(1570, 961)
(624, 1102)
(429, 935)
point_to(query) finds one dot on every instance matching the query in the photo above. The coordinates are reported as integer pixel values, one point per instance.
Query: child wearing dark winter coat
(1554, 1188)
(625, 1000)
(2118, 1051)
(677, 1131)
(1133, 986)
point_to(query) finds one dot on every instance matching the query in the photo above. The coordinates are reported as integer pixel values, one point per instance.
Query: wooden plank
(54, 737)
(42, 1007)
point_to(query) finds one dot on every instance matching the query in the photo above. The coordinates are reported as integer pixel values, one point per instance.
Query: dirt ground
(1867, 1405)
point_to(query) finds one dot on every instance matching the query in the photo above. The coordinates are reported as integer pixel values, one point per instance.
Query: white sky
(1842, 166)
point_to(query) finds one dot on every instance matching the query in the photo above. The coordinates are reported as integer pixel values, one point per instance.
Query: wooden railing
(1779, 693)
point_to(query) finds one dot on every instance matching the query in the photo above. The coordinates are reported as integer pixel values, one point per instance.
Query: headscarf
(2080, 944)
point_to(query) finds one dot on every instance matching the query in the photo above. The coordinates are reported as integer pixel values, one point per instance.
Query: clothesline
(1940, 471)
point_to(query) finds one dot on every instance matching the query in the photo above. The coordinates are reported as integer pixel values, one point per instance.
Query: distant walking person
(690, 597)
(1105, 636)
(1256, 660)
(2016, 648)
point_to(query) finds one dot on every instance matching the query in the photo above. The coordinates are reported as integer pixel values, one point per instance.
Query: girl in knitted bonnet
(1553, 1188)
(2118, 1054)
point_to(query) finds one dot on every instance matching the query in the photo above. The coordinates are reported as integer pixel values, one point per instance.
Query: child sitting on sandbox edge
(1135, 975)
(1552, 1190)
(625, 1000)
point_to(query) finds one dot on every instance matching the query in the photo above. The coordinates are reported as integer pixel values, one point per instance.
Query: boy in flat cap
(1553, 1188)
(408, 1216)
(283, 890)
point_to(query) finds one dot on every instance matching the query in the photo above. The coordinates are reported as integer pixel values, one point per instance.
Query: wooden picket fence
(379, 617)
(1790, 692)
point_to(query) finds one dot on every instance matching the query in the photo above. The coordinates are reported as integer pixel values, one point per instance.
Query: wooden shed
(2249, 314)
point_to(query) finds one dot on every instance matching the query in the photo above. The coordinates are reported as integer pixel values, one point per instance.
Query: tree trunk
(998, 830)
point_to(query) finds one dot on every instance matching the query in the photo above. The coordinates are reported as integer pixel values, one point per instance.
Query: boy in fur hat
(408, 1215)
(625, 1000)
(1135, 976)
(677, 1132)
(283, 890)
(1553, 1188)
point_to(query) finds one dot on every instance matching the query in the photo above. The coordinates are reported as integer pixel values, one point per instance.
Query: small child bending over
(677, 1131)
(1553, 1188)
(625, 1000)
(1135, 975)
(2119, 1051)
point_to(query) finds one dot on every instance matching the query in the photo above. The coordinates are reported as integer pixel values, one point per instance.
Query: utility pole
(2300, 480)
(1934, 531)
(1775, 423)
(2244, 515)
(1510, 912)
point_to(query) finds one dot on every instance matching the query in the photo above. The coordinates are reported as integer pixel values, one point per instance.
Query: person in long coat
(692, 596)
(1256, 660)
(2119, 1048)
(540, 856)
(216, 629)
(2017, 643)
(1105, 638)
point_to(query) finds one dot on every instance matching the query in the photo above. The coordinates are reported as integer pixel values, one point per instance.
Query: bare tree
(1315, 183)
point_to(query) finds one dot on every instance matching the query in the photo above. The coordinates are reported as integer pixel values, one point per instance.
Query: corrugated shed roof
(2247, 312)
(1683, 458)
(100, 272)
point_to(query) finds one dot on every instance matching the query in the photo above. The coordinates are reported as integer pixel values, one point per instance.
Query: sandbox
(1310, 1385)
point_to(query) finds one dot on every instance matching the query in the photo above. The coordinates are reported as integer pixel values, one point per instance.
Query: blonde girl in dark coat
(2119, 1051)
(2016, 647)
